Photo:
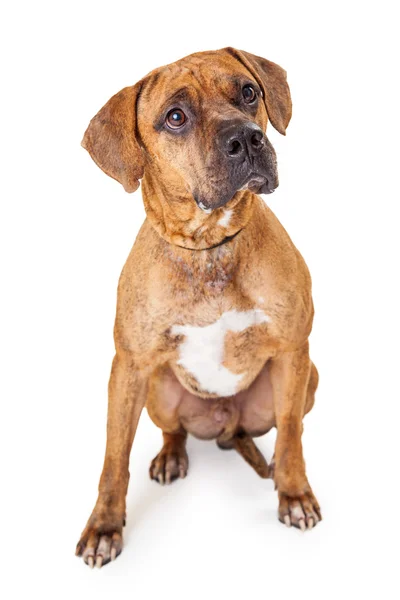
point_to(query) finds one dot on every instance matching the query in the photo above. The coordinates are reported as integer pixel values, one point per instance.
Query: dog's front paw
(101, 541)
(301, 511)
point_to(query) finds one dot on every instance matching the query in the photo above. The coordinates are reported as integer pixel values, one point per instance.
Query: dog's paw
(302, 511)
(100, 543)
(169, 465)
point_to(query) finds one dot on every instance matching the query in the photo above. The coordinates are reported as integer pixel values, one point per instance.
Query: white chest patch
(225, 219)
(202, 350)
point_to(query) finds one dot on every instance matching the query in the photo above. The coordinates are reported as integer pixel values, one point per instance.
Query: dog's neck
(178, 220)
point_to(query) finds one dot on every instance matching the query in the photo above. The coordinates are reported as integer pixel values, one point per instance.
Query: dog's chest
(221, 358)
(201, 273)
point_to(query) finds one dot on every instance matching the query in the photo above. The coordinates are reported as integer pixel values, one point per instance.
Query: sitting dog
(214, 303)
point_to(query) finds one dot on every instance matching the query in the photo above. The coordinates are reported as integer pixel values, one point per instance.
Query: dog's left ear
(272, 80)
(111, 140)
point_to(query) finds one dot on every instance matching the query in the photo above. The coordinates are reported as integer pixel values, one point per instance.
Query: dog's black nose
(241, 139)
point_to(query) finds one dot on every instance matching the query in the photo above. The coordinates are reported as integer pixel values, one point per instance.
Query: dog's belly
(250, 410)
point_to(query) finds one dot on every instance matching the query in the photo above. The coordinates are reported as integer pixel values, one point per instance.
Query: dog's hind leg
(172, 461)
(163, 400)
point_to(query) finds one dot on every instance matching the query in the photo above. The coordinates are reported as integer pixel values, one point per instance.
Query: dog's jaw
(182, 221)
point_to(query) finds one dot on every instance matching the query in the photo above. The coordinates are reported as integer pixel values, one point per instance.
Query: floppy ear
(111, 140)
(272, 80)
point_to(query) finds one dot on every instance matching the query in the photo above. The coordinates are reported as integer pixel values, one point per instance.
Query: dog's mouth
(255, 176)
(255, 182)
(259, 184)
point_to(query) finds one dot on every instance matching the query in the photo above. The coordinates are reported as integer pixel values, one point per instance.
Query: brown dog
(214, 302)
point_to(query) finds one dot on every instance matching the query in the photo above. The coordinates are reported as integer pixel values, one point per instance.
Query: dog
(214, 304)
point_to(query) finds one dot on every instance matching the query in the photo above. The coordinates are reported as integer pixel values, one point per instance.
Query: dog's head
(198, 125)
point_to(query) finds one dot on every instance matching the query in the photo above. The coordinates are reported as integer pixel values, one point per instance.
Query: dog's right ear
(111, 139)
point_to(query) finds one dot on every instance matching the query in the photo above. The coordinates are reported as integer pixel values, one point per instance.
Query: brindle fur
(186, 268)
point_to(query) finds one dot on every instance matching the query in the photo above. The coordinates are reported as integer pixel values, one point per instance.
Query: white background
(66, 230)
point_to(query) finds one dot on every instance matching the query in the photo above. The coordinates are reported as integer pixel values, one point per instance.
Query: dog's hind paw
(169, 465)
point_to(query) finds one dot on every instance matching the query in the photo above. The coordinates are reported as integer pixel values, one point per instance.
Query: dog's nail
(287, 521)
(310, 523)
(168, 478)
(99, 561)
(113, 553)
(302, 524)
(161, 479)
(90, 561)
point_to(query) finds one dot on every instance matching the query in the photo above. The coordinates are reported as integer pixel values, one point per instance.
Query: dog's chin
(256, 183)
(207, 205)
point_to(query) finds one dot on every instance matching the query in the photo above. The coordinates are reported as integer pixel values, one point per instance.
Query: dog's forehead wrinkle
(178, 95)
(192, 71)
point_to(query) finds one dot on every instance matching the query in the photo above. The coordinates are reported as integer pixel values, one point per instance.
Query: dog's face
(197, 125)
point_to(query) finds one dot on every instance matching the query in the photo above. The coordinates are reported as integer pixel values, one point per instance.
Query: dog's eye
(249, 94)
(175, 118)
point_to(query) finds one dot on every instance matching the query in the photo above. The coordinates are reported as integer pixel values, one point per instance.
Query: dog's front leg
(101, 540)
(290, 378)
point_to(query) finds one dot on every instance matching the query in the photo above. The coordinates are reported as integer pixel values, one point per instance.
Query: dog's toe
(302, 512)
(166, 466)
(97, 549)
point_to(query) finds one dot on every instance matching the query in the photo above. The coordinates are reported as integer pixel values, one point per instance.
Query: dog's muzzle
(244, 160)
(250, 153)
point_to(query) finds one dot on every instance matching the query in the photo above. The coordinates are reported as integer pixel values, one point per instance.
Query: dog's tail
(244, 444)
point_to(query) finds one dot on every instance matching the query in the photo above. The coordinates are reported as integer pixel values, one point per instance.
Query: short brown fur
(190, 267)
